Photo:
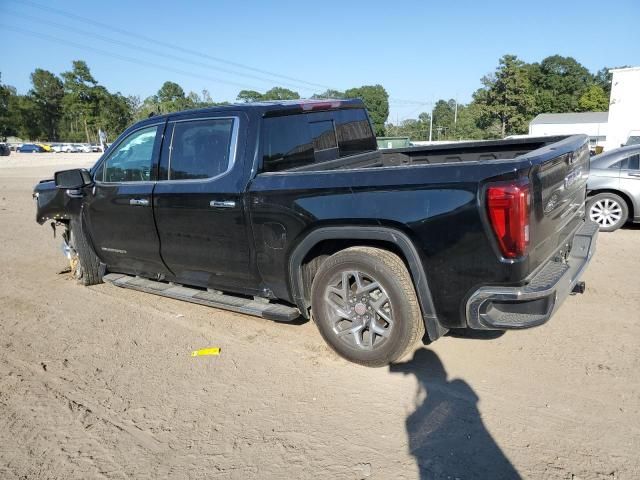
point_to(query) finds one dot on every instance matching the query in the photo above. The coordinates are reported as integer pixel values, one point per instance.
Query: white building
(593, 124)
(624, 106)
(619, 126)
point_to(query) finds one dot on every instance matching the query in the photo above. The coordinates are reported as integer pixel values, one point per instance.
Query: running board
(270, 311)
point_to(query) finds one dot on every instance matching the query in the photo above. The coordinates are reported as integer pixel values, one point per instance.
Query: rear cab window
(300, 140)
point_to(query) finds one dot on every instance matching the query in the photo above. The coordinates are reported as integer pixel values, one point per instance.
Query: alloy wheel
(360, 310)
(606, 212)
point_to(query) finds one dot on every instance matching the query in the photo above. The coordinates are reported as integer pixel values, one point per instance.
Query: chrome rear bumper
(499, 308)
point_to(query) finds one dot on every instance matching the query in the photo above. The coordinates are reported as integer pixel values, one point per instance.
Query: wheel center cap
(360, 308)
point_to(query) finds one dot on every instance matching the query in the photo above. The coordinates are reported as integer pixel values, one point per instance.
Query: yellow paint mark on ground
(206, 351)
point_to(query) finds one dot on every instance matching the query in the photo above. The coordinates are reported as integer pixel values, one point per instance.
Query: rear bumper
(499, 308)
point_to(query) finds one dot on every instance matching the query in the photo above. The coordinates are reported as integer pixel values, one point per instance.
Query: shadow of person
(446, 433)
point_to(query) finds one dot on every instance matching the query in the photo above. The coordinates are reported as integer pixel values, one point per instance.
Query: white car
(69, 148)
(83, 147)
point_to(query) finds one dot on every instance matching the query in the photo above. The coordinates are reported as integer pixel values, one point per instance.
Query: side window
(354, 132)
(633, 162)
(131, 161)
(286, 143)
(619, 164)
(199, 149)
(325, 145)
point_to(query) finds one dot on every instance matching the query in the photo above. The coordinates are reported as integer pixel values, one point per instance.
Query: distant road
(61, 160)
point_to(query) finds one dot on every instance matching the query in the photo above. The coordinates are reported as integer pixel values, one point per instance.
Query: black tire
(375, 267)
(609, 219)
(87, 268)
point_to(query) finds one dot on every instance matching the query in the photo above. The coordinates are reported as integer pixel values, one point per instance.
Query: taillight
(508, 208)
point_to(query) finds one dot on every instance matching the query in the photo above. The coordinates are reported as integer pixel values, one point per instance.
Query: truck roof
(274, 108)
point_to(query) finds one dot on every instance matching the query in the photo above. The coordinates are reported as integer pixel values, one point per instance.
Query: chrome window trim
(114, 148)
(233, 149)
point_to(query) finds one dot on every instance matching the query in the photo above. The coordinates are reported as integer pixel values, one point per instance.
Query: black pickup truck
(287, 209)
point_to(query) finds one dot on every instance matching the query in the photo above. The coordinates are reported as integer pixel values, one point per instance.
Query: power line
(64, 13)
(150, 50)
(172, 46)
(134, 60)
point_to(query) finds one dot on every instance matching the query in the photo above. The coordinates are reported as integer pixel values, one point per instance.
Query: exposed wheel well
(622, 195)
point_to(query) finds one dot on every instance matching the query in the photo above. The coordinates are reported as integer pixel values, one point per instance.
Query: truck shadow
(446, 434)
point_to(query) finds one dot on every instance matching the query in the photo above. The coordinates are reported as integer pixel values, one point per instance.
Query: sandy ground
(98, 382)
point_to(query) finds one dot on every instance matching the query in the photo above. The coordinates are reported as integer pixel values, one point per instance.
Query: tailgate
(558, 179)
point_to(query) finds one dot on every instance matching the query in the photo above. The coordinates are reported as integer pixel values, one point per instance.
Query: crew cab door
(118, 210)
(198, 204)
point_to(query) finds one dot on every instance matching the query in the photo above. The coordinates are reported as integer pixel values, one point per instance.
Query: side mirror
(72, 179)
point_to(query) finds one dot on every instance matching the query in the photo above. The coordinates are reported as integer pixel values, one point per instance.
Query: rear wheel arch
(321, 243)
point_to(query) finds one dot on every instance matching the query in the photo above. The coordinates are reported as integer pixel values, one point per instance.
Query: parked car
(68, 148)
(30, 148)
(614, 188)
(95, 147)
(293, 205)
(82, 147)
(4, 150)
(45, 147)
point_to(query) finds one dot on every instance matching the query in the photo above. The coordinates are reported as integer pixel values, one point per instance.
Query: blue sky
(419, 50)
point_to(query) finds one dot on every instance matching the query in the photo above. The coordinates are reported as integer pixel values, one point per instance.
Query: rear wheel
(608, 210)
(365, 306)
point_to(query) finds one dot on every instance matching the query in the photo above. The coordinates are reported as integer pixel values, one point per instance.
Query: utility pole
(431, 122)
(455, 113)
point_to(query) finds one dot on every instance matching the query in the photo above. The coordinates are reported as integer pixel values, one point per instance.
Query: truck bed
(475, 151)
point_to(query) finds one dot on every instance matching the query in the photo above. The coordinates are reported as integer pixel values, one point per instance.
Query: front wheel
(365, 306)
(608, 210)
(85, 264)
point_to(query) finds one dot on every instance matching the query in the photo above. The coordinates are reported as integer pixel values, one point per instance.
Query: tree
(466, 127)
(443, 118)
(47, 94)
(506, 97)
(171, 98)
(594, 100)
(557, 83)
(7, 121)
(26, 117)
(247, 96)
(114, 112)
(79, 101)
(279, 93)
(329, 93)
(170, 92)
(376, 99)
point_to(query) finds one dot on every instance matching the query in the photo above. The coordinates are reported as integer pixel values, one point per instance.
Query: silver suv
(614, 188)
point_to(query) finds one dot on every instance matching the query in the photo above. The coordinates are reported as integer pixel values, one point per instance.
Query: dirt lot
(98, 382)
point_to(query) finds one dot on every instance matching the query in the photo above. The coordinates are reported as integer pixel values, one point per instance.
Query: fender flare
(432, 326)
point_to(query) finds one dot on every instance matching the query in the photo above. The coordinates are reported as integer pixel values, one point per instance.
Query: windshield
(633, 140)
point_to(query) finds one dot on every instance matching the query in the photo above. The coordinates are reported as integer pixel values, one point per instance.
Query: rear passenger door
(198, 204)
(630, 180)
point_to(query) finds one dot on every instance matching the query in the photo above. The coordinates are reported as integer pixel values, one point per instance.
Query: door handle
(143, 202)
(633, 174)
(74, 193)
(222, 204)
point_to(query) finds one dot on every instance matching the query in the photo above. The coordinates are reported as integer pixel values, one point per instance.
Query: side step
(270, 311)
